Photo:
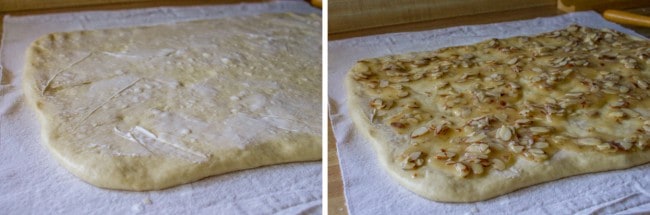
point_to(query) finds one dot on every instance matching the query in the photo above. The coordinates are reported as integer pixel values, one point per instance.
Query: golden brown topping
(523, 97)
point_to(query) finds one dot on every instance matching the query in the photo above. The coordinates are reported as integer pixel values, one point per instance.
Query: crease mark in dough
(118, 55)
(180, 151)
(49, 81)
(128, 136)
(288, 119)
(109, 99)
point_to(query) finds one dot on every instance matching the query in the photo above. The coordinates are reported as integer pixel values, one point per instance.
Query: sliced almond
(419, 162)
(589, 141)
(626, 145)
(538, 154)
(473, 138)
(461, 169)
(421, 131)
(540, 145)
(414, 155)
(478, 148)
(412, 104)
(412, 120)
(476, 168)
(383, 83)
(444, 155)
(539, 130)
(512, 61)
(403, 94)
(642, 143)
(515, 147)
(408, 165)
(604, 147)
(646, 126)
(504, 133)
(619, 104)
(377, 103)
(523, 122)
(642, 84)
(441, 128)
(498, 164)
(616, 114)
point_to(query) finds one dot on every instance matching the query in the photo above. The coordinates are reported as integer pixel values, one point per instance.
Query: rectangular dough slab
(152, 107)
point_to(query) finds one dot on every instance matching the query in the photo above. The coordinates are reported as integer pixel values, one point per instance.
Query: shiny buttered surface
(472, 122)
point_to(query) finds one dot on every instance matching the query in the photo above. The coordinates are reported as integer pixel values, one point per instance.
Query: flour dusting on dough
(160, 146)
(153, 107)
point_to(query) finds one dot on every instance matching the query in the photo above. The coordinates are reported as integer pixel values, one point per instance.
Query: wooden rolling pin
(317, 3)
(627, 18)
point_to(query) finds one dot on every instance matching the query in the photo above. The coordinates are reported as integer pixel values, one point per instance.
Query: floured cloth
(365, 183)
(34, 182)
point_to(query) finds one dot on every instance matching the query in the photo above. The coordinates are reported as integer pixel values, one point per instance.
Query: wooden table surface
(336, 197)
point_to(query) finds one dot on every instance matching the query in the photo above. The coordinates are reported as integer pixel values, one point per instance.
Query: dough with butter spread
(469, 123)
(148, 108)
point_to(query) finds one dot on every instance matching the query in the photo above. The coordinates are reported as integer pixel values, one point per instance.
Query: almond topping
(473, 138)
(589, 141)
(604, 147)
(642, 84)
(421, 131)
(523, 122)
(403, 94)
(539, 130)
(478, 148)
(538, 154)
(414, 155)
(540, 145)
(504, 133)
(383, 83)
(616, 114)
(408, 165)
(626, 144)
(461, 169)
(515, 148)
(444, 155)
(476, 168)
(512, 61)
(498, 164)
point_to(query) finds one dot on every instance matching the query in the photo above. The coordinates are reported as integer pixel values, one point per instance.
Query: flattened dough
(473, 122)
(153, 107)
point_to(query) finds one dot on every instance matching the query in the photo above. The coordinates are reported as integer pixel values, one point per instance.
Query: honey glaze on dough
(469, 123)
(153, 107)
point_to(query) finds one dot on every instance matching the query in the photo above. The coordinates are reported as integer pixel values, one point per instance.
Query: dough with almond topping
(469, 123)
(148, 108)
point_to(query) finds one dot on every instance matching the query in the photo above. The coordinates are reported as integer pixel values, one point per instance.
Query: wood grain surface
(347, 15)
(475, 19)
(601, 5)
(336, 198)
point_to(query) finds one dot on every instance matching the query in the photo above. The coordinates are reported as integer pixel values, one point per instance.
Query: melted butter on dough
(473, 122)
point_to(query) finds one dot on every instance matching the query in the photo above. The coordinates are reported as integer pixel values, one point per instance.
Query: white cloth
(370, 190)
(31, 181)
